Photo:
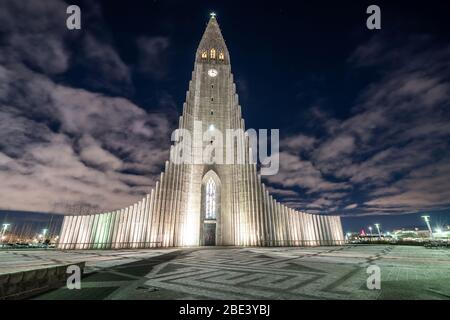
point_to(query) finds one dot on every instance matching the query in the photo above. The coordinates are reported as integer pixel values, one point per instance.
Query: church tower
(211, 107)
(204, 201)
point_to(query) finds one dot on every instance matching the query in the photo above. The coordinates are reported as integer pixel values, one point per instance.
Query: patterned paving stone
(253, 273)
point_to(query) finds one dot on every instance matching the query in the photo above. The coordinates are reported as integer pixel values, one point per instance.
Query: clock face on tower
(212, 72)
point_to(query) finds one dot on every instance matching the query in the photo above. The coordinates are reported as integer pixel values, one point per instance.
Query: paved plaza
(407, 272)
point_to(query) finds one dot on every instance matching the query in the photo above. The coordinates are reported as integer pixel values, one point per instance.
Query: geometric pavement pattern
(270, 273)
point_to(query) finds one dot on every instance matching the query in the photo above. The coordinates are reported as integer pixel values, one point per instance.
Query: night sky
(364, 115)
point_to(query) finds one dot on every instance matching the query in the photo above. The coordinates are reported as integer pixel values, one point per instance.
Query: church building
(203, 203)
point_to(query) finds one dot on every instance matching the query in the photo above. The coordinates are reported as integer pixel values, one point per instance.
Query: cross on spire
(212, 14)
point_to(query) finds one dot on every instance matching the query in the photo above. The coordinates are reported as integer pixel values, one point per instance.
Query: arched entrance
(210, 217)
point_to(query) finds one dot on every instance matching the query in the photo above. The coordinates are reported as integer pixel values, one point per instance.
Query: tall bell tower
(212, 104)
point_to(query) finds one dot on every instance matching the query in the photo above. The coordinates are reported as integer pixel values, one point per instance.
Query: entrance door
(210, 234)
(210, 215)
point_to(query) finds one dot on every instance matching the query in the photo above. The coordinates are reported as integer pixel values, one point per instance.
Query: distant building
(414, 233)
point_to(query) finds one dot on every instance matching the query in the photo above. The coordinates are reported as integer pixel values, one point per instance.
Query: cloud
(390, 155)
(34, 34)
(295, 172)
(105, 150)
(282, 192)
(37, 37)
(426, 188)
(63, 144)
(103, 60)
(335, 148)
(153, 53)
(95, 156)
(298, 143)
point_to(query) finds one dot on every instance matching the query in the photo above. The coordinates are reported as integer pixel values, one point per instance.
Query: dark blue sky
(364, 115)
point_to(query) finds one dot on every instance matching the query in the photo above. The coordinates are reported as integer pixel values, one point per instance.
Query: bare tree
(77, 208)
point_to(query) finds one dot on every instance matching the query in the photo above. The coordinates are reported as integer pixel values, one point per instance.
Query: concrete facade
(174, 213)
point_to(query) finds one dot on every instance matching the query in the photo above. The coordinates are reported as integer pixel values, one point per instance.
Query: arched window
(204, 54)
(213, 53)
(210, 200)
(221, 56)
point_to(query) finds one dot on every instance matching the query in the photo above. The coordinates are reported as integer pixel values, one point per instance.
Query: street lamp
(370, 233)
(377, 225)
(427, 221)
(4, 228)
(348, 235)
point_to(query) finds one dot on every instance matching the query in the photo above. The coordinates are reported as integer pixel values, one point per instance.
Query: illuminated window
(221, 56)
(210, 200)
(213, 53)
(204, 54)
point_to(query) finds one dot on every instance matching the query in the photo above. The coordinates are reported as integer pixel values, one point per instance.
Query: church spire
(212, 46)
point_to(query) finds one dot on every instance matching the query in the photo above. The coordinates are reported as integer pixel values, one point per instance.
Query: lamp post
(4, 228)
(427, 221)
(347, 236)
(377, 225)
(44, 235)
